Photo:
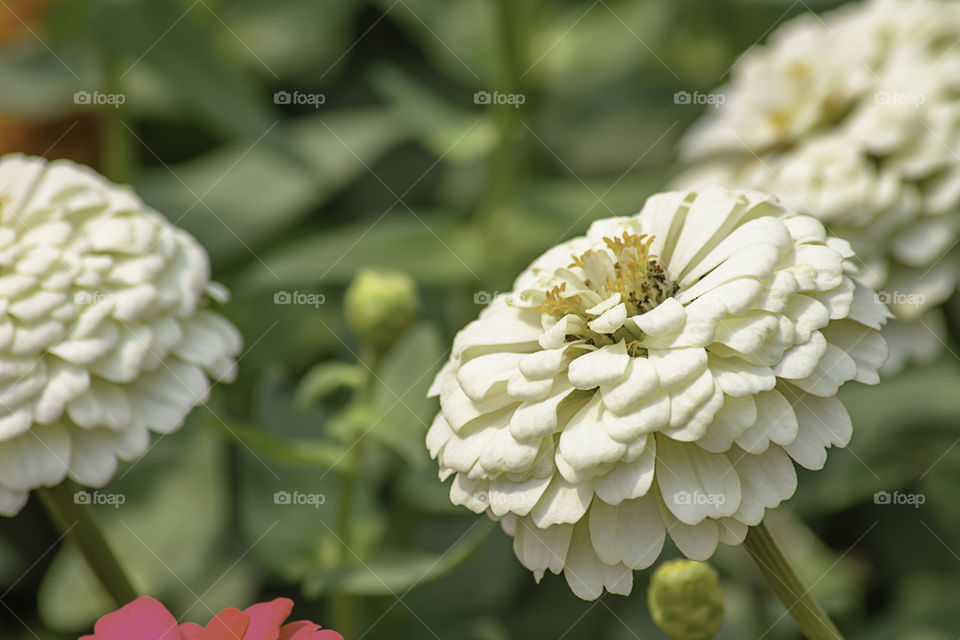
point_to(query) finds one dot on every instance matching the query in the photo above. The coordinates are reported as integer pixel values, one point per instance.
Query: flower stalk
(783, 581)
(345, 607)
(77, 522)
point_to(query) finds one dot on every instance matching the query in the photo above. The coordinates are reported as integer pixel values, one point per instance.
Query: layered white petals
(852, 117)
(103, 330)
(593, 434)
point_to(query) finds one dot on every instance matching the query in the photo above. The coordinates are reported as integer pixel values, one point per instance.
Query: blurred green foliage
(400, 167)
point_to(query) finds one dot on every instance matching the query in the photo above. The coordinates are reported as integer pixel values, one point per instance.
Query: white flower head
(104, 333)
(854, 118)
(655, 377)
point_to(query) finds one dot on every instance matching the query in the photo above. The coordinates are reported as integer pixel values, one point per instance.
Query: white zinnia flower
(855, 119)
(104, 334)
(656, 376)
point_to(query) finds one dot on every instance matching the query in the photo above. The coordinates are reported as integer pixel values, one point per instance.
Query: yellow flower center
(633, 272)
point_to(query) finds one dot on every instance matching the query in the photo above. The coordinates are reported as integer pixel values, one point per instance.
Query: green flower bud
(685, 600)
(380, 305)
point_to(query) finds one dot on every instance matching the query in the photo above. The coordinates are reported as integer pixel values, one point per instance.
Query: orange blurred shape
(17, 17)
(73, 137)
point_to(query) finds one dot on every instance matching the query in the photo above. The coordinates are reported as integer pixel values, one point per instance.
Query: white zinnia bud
(855, 119)
(105, 333)
(655, 377)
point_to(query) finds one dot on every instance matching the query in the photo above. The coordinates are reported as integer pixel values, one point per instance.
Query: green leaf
(456, 35)
(289, 36)
(323, 153)
(303, 540)
(327, 377)
(450, 131)
(900, 429)
(45, 87)
(165, 533)
(393, 572)
(433, 248)
(400, 396)
(296, 453)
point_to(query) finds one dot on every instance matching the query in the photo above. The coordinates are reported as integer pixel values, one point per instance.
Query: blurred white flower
(104, 334)
(855, 118)
(656, 376)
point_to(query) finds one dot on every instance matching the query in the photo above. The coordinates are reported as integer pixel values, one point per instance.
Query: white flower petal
(736, 416)
(506, 496)
(651, 414)
(562, 503)
(833, 369)
(584, 443)
(604, 366)
(539, 418)
(822, 422)
(36, 458)
(641, 380)
(697, 542)
(631, 533)
(766, 480)
(479, 376)
(630, 480)
(696, 484)
(677, 366)
(587, 575)
(667, 317)
(776, 422)
(740, 378)
(542, 549)
(801, 361)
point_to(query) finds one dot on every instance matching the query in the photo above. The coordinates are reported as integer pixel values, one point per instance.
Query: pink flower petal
(229, 624)
(191, 631)
(306, 630)
(266, 618)
(143, 619)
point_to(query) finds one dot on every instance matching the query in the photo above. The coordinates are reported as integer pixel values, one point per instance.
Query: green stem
(117, 154)
(809, 616)
(346, 607)
(508, 158)
(77, 522)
